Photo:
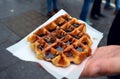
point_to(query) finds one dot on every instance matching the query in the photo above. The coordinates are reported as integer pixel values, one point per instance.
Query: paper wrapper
(23, 51)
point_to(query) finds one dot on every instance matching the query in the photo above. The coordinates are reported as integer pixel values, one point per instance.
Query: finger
(84, 72)
(111, 67)
(100, 68)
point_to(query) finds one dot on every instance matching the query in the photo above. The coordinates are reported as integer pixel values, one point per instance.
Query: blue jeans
(117, 4)
(107, 4)
(50, 6)
(85, 9)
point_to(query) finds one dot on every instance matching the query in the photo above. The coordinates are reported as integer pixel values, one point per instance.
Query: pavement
(19, 17)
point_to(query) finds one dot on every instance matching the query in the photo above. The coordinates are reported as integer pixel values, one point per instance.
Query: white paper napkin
(23, 51)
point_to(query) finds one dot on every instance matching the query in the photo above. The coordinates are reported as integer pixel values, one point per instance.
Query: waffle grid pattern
(62, 42)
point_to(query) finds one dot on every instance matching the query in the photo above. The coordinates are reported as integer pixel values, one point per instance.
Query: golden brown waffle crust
(62, 42)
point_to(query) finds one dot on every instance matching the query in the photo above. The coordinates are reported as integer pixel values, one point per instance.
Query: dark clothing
(114, 37)
(114, 77)
(96, 8)
(114, 33)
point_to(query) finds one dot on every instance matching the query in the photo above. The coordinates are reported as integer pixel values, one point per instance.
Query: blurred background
(19, 17)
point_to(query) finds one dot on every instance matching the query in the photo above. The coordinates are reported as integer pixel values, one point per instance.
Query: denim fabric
(85, 9)
(117, 4)
(107, 3)
(52, 5)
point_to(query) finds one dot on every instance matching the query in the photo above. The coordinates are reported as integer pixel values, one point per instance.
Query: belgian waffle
(62, 42)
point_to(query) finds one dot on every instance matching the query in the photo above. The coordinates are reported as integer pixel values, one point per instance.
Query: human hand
(105, 61)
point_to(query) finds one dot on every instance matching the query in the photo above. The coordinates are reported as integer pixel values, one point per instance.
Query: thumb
(101, 67)
(91, 69)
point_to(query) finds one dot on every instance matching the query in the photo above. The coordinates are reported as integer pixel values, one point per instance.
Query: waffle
(62, 42)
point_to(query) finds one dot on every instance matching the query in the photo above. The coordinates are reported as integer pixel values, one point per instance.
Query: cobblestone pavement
(19, 17)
